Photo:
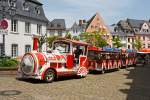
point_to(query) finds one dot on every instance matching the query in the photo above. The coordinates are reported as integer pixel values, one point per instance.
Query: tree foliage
(41, 41)
(138, 44)
(117, 42)
(51, 39)
(76, 38)
(68, 36)
(94, 38)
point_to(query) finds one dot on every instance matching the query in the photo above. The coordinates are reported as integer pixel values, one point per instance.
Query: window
(132, 39)
(25, 6)
(148, 45)
(58, 25)
(1, 49)
(27, 48)
(14, 25)
(37, 9)
(52, 25)
(27, 27)
(11, 3)
(14, 50)
(60, 33)
(143, 45)
(62, 47)
(136, 30)
(129, 47)
(39, 29)
(144, 38)
(128, 39)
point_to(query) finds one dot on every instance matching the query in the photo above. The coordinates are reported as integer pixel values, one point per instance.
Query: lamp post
(7, 10)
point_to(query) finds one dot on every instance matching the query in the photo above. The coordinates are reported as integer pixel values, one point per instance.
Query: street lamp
(11, 10)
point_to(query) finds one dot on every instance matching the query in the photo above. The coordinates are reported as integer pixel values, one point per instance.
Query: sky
(111, 10)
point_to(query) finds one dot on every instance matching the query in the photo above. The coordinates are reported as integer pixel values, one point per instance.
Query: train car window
(62, 47)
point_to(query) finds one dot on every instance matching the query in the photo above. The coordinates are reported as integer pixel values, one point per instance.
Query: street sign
(3, 26)
(2, 31)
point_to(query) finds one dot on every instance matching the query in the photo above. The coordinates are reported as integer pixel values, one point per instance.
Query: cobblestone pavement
(125, 84)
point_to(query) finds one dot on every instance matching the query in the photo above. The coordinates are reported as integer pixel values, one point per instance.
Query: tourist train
(70, 57)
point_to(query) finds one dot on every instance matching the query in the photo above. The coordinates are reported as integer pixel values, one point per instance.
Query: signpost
(3, 31)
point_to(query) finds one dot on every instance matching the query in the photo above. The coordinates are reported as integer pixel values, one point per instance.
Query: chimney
(84, 21)
(80, 22)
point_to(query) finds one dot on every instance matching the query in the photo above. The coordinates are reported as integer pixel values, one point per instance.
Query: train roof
(111, 49)
(128, 50)
(94, 48)
(144, 50)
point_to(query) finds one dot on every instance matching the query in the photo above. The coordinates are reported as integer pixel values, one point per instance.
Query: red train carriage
(106, 59)
(143, 57)
(128, 57)
(93, 58)
(67, 57)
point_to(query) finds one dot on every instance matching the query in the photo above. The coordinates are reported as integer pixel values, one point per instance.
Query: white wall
(20, 37)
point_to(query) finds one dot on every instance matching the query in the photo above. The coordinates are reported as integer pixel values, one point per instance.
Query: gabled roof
(90, 20)
(75, 25)
(135, 23)
(57, 24)
(101, 22)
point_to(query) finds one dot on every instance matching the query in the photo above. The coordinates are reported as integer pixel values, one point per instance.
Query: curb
(8, 71)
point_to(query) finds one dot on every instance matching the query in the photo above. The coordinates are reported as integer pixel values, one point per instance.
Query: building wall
(21, 38)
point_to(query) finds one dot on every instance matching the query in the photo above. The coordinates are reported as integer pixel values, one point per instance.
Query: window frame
(27, 48)
(27, 27)
(14, 51)
(14, 25)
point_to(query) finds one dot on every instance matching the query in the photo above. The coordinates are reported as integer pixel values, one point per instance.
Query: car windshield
(61, 47)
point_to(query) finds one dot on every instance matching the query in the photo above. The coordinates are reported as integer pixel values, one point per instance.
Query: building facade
(78, 28)
(57, 27)
(29, 21)
(94, 24)
(131, 29)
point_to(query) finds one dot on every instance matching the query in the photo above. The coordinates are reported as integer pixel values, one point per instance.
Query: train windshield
(62, 47)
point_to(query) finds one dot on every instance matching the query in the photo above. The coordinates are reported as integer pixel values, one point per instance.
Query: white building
(29, 21)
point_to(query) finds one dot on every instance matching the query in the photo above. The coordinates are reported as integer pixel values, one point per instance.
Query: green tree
(94, 38)
(137, 44)
(68, 36)
(117, 42)
(51, 39)
(41, 41)
(76, 38)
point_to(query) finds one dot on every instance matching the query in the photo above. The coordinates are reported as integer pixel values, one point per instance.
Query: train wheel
(49, 76)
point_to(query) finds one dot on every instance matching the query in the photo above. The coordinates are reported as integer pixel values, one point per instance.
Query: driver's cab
(75, 52)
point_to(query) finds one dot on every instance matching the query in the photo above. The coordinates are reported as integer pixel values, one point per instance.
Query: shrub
(8, 62)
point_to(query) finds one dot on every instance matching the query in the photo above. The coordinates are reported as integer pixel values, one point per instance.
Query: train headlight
(27, 64)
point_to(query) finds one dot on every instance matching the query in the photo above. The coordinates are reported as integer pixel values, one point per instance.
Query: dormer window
(37, 10)
(25, 6)
(136, 30)
(12, 3)
(58, 25)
